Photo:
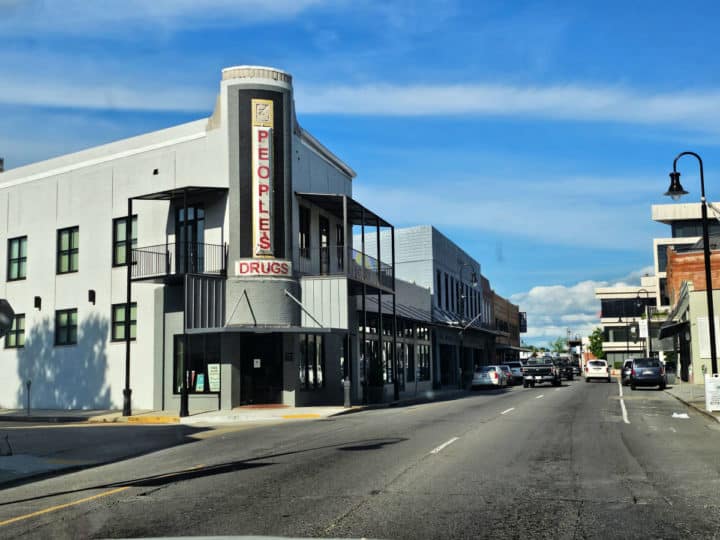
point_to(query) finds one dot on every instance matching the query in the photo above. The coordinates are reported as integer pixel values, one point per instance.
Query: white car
(597, 369)
(489, 376)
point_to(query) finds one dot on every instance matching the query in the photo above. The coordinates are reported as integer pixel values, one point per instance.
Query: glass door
(190, 240)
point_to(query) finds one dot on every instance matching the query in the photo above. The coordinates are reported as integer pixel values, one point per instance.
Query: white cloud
(561, 102)
(103, 18)
(552, 309)
(575, 215)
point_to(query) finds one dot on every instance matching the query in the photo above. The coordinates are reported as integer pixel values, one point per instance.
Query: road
(527, 463)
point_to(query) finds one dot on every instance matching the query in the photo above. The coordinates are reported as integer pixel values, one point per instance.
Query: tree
(559, 345)
(596, 341)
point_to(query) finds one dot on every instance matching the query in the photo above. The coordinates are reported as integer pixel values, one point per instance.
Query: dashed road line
(443, 445)
(541, 395)
(622, 404)
(508, 410)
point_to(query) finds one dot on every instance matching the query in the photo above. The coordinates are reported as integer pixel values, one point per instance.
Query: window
(17, 258)
(15, 337)
(447, 293)
(120, 239)
(423, 362)
(304, 232)
(410, 353)
(438, 293)
(311, 369)
(66, 327)
(340, 236)
(67, 250)
(203, 352)
(387, 362)
(118, 321)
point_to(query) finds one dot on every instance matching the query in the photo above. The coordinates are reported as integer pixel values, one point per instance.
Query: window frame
(14, 333)
(121, 242)
(18, 260)
(121, 324)
(69, 252)
(304, 228)
(67, 328)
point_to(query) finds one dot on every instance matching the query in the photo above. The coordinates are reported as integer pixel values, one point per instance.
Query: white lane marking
(622, 404)
(508, 410)
(541, 395)
(673, 430)
(443, 445)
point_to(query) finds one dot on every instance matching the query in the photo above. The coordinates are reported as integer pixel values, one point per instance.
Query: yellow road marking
(61, 506)
(301, 415)
(87, 499)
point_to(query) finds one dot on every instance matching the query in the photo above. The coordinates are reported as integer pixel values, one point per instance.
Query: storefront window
(202, 351)
(312, 362)
(387, 362)
(423, 362)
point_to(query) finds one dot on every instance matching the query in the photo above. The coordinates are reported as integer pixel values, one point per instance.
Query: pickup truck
(540, 370)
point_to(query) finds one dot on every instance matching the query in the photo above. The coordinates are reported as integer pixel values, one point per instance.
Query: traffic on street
(571, 461)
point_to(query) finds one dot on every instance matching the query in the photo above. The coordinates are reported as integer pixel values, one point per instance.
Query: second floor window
(15, 338)
(120, 239)
(17, 258)
(66, 327)
(304, 232)
(68, 243)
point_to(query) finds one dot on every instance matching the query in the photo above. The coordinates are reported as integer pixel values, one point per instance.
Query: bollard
(28, 383)
(346, 387)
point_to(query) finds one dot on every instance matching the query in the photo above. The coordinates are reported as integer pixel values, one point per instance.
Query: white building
(243, 282)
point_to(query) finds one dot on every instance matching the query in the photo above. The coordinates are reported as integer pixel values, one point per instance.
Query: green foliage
(617, 364)
(559, 345)
(596, 341)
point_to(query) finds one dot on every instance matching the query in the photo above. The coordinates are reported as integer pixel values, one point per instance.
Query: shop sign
(712, 392)
(263, 176)
(263, 267)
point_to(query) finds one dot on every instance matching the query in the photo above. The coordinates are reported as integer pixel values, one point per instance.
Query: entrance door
(448, 373)
(261, 369)
(401, 351)
(190, 240)
(324, 225)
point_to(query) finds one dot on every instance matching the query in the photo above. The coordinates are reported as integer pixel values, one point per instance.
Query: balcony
(349, 262)
(166, 261)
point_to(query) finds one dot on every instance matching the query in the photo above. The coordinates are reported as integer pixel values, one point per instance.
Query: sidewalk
(692, 395)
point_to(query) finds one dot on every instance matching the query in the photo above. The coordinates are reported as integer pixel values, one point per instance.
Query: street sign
(712, 392)
(643, 325)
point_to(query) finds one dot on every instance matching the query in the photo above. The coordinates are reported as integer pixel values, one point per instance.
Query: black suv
(647, 372)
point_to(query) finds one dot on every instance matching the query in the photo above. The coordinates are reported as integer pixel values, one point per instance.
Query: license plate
(647, 372)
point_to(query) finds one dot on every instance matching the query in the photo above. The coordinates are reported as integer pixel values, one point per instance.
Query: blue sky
(535, 134)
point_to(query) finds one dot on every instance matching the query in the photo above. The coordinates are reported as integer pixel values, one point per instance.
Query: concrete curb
(44, 419)
(695, 407)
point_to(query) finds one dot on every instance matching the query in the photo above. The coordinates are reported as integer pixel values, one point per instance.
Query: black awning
(671, 329)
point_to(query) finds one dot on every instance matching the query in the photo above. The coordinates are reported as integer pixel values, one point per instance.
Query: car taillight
(587, 369)
(494, 375)
(662, 370)
(632, 372)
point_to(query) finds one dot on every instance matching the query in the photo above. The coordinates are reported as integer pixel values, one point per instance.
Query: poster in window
(200, 382)
(214, 377)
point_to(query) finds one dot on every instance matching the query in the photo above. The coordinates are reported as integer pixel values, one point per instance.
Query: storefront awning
(251, 329)
(671, 329)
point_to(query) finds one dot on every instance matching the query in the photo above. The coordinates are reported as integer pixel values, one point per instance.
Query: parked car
(489, 376)
(508, 374)
(566, 368)
(577, 370)
(647, 372)
(516, 368)
(625, 372)
(597, 369)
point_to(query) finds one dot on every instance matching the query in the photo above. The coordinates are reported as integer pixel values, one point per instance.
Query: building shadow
(65, 376)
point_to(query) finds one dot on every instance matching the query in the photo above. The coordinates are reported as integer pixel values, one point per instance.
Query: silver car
(626, 371)
(489, 376)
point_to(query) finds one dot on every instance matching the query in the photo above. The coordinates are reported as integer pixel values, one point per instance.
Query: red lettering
(263, 172)
(261, 209)
(263, 134)
(284, 268)
(264, 224)
(255, 267)
(264, 153)
(274, 268)
(264, 241)
(263, 188)
(243, 268)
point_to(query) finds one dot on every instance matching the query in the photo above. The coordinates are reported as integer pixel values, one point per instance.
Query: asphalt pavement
(525, 463)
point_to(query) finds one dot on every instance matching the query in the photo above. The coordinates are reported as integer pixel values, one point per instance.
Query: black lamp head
(675, 191)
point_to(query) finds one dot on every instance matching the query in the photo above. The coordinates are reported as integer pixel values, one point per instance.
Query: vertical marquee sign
(262, 176)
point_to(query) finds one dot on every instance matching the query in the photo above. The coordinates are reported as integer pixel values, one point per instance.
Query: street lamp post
(676, 191)
(638, 304)
(473, 281)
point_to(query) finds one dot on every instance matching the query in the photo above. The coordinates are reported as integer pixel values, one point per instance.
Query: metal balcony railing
(178, 258)
(337, 260)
